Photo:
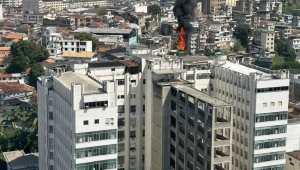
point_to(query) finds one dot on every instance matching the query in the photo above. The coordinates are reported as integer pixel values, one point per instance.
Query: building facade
(77, 117)
(259, 116)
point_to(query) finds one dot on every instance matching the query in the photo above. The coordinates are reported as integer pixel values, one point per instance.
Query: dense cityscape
(149, 85)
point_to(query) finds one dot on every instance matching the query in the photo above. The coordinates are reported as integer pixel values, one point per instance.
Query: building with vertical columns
(260, 102)
(77, 123)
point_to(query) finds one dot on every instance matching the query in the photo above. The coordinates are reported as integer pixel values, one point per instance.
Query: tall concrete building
(77, 123)
(260, 102)
(234, 121)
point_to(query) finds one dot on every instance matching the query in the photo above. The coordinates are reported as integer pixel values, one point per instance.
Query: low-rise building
(18, 160)
(84, 56)
(292, 160)
(62, 21)
(4, 52)
(285, 31)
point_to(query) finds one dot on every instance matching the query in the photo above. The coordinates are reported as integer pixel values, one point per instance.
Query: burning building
(184, 11)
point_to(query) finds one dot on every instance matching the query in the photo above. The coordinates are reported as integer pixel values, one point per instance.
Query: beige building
(264, 37)
(292, 160)
(60, 5)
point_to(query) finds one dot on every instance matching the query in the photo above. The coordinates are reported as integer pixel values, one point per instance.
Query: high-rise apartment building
(260, 102)
(150, 109)
(78, 123)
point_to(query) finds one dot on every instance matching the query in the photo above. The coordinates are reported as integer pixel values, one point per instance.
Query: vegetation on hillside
(13, 137)
(243, 33)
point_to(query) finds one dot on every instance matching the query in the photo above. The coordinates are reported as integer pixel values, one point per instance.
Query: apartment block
(263, 39)
(77, 123)
(57, 45)
(259, 115)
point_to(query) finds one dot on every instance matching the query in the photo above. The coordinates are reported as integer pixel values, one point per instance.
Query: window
(237, 137)
(121, 109)
(51, 155)
(120, 96)
(133, 82)
(121, 82)
(51, 167)
(242, 126)
(243, 114)
(95, 136)
(132, 134)
(246, 128)
(280, 103)
(132, 96)
(121, 134)
(113, 69)
(50, 129)
(264, 104)
(133, 109)
(50, 115)
(86, 122)
(96, 121)
(272, 104)
(233, 122)
(247, 115)
(120, 159)
(233, 135)
(246, 142)
(246, 155)
(121, 122)
(121, 147)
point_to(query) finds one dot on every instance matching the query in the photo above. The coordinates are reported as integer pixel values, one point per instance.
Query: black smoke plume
(184, 11)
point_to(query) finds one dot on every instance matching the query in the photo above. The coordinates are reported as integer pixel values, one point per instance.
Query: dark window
(86, 122)
(96, 121)
(144, 81)
(121, 109)
(133, 109)
(51, 115)
(121, 82)
(132, 134)
(113, 69)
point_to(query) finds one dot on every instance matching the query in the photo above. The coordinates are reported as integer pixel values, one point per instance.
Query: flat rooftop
(195, 58)
(242, 69)
(103, 30)
(90, 86)
(200, 95)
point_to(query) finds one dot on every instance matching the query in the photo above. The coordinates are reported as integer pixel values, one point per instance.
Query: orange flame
(181, 44)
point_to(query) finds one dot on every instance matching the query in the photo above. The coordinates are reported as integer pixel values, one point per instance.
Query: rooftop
(12, 36)
(105, 64)
(200, 95)
(240, 68)
(294, 154)
(84, 54)
(4, 48)
(129, 63)
(14, 87)
(20, 159)
(68, 78)
(103, 30)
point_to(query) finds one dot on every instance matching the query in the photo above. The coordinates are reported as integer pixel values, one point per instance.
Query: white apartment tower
(260, 102)
(77, 123)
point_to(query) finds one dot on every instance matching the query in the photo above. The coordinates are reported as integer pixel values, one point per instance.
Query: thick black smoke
(184, 11)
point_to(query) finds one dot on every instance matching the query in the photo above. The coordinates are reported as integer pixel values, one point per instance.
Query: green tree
(154, 9)
(24, 54)
(280, 46)
(35, 72)
(237, 47)
(22, 30)
(147, 24)
(12, 117)
(31, 116)
(83, 36)
(243, 32)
